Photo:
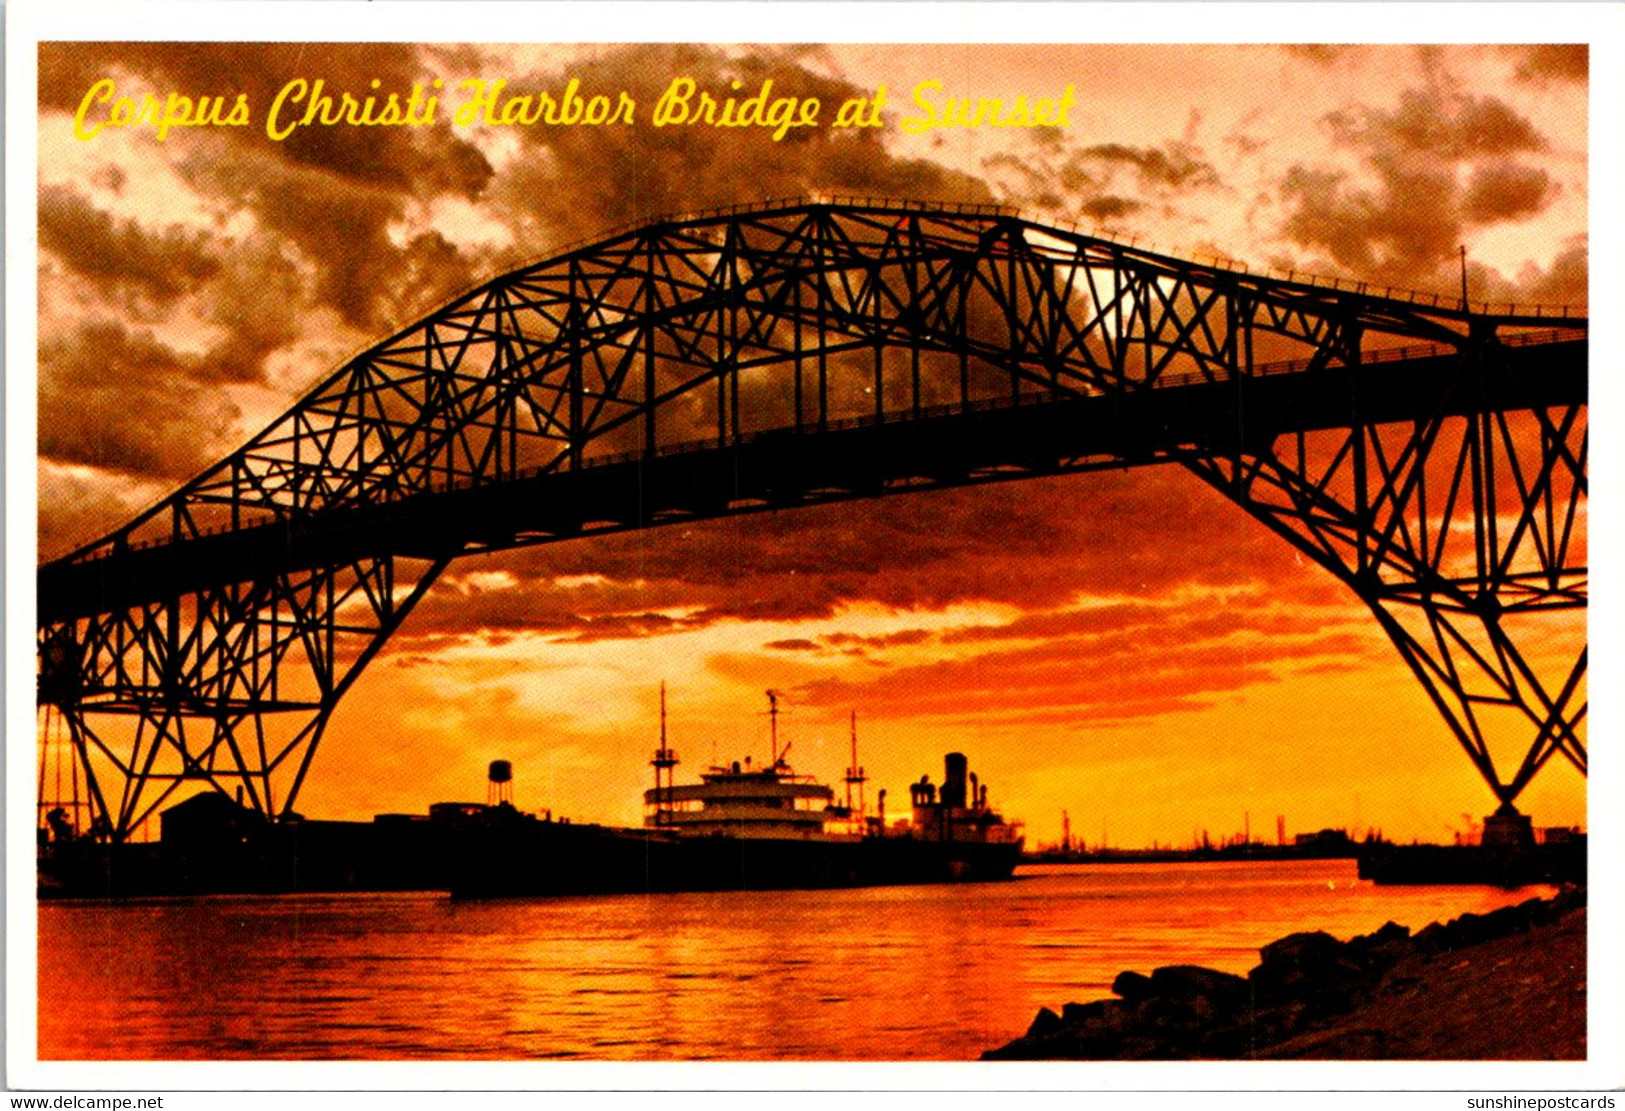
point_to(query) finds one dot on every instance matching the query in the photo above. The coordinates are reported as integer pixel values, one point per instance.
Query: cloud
(1109, 207)
(392, 158)
(122, 401)
(902, 637)
(1174, 165)
(1429, 122)
(332, 192)
(1185, 658)
(340, 226)
(1439, 162)
(1547, 63)
(259, 300)
(120, 256)
(84, 504)
(593, 178)
(1403, 229)
(1323, 54)
(1506, 191)
(1139, 533)
(1103, 182)
(1564, 282)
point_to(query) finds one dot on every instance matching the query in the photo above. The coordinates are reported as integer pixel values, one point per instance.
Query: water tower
(499, 788)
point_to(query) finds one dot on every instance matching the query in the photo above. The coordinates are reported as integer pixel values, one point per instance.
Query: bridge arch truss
(1431, 456)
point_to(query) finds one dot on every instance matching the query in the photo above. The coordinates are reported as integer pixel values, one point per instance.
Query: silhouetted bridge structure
(1430, 454)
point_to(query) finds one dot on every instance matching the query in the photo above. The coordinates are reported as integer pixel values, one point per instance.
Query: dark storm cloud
(1505, 191)
(1404, 228)
(1109, 208)
(1174, 165)
(594, 178)
(339, 225)
(1440, 162)
(1139, 533)
(1104, 182)
(332, 191)
(258, 299)
(119, 255)
(393, 158)
(1434, 123)
(1544, 63)
(124, 402)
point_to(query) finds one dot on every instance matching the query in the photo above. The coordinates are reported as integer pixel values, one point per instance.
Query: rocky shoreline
(1509, 985)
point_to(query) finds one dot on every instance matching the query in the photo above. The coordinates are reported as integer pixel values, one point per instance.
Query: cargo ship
(744, 827)
(740, 827)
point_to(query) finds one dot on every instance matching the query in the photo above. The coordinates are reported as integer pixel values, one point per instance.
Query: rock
(1377, 952)
(1434, 938)
(1467, 930)
(1046, 1022)
(1302, 950)
(1290, 966)
(1511, 920)
(1191, 982)
(1301, 986)
(1315, 969)
(1132, 986)
(1175, 1018)
(1074, 1014)
(1390, 933)
(1102, 1019)
(1569, 898)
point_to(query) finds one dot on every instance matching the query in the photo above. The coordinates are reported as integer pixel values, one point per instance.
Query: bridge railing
(1423, 298)
(1393, 354)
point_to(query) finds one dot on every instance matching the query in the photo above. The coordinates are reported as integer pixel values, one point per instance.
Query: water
(940, 972)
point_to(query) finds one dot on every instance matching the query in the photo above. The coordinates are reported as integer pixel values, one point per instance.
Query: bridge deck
(985, 441)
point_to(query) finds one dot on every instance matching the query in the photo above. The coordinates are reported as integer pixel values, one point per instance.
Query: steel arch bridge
(1428, 453)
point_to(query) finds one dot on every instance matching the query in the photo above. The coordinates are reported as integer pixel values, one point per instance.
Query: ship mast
(664, 761)
(854, 773)
(773, 726)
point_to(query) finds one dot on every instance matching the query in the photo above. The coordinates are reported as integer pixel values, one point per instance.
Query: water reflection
(938, 972)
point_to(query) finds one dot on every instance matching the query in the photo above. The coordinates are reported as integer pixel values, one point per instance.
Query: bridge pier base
(1507, 828)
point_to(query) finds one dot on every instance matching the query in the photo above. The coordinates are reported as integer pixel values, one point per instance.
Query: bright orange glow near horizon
(1128, 647)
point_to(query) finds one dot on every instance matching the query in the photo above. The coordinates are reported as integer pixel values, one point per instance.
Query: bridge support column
(251, 672)
(1465, 536)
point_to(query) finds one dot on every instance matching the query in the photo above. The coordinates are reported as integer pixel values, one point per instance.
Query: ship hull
(546, 860)
(500, 853)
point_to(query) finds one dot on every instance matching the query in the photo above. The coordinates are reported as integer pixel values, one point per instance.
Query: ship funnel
(953, 785)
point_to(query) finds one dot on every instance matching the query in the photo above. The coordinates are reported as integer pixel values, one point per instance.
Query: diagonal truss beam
(1431, 457)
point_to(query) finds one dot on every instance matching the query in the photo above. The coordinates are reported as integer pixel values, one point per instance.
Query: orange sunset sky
(1128, 646)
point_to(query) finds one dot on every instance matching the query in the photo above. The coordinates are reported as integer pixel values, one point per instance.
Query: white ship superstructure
(736, 800)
